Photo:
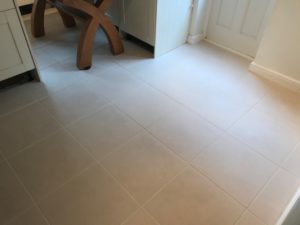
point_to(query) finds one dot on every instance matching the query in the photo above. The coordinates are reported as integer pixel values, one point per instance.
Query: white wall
(198, 21)
(279, 51)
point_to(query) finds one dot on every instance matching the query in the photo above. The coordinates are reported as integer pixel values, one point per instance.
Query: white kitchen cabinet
(15, 55)
(139, 19)
(164, 24)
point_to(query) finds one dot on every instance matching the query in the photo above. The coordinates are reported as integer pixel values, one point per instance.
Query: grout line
(33, 144)
(263, 156)
(203, 174)
(247, 211)
(20, 108)
(99, 163)
(34, 203)
(240, 217)
(141, 206)
(37, 141)
(262, 189)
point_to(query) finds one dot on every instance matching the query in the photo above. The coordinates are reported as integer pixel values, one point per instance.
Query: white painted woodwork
(172, 24)
(238, 24)
(164, 24)
(14, 50)
(139, 19)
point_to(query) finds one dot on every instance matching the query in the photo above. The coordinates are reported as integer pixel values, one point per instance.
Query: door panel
(14, 52)
(138, 18)
(226, 13)
(238, 24)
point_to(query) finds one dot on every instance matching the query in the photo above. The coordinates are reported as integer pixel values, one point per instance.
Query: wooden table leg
(113, 36)
(95, 18)
(85, 47)
(68, 20)
(37, 18)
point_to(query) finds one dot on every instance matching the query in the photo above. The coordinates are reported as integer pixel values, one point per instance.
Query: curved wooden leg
(67, 19)
(113, 36)
(37, 18)
(85, 47)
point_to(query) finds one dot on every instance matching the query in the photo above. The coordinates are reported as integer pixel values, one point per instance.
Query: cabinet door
(172, 24)
(139, 19)
(14, 52)
(115, 12)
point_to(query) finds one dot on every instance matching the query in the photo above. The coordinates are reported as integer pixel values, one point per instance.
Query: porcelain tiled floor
(190, 138)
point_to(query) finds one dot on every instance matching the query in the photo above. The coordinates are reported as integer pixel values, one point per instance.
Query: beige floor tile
(47, 165)
(292, 163)
(14, 199)
(143, 166)
(271, 202)
(249, 219)
(145, 105)
(221, 103)
(1, 157)
(74, 102)
(140, 218)
(184, 132)
(93, 198)
(236, 168)
(24, 127)
(19, 96)
(30, 217)
(104, 131)
(271, 138)
(192, 199)
(282, 105)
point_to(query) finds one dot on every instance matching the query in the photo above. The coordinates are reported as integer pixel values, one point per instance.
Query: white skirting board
(275, 76)
(229, 49)
(194, 39)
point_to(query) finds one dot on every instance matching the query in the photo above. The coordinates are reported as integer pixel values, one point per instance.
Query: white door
(238, 24)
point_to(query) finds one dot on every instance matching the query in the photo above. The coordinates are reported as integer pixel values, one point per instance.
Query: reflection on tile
(91, 198)
(272, 201)
(104, 131)
(184, 132)
(22, 128)
(60, 76)
(49, 164)
(236, 168)
(192, 199)
(143, 165)
(14, 199)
